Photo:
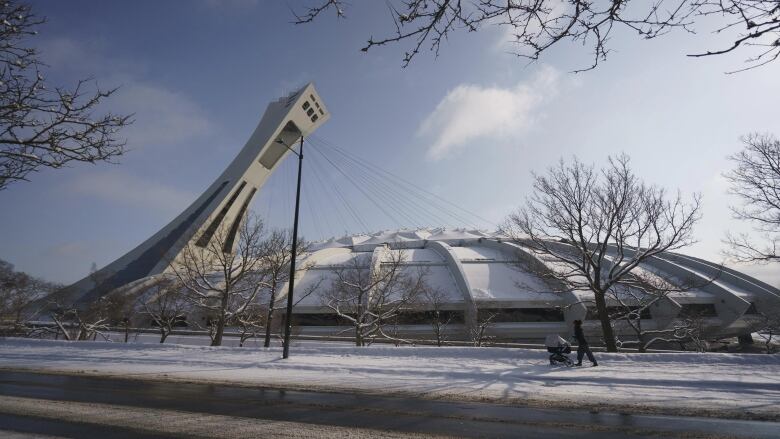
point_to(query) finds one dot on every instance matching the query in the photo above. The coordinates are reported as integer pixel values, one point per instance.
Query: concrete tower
(222, 205)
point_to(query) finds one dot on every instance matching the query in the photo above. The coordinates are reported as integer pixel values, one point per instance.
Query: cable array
(337, 183)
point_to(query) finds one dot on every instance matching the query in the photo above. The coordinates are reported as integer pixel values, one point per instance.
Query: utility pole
(288, 318)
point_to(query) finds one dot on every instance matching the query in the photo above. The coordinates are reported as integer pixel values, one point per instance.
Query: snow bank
(732, 385)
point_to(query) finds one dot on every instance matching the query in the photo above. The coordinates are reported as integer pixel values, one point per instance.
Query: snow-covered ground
(729, 385)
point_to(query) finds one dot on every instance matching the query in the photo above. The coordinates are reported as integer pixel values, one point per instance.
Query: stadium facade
(490, 273)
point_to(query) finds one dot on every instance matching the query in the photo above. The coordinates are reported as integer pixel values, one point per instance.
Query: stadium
(477, 274)
(489, 273)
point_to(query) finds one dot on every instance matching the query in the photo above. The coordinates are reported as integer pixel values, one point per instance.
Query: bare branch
(43, 127)
(370, 293)
(755, 180)
(594, 229)
(538, 25)
(225, 285)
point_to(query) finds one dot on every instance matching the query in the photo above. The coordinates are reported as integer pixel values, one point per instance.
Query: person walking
(582, 348)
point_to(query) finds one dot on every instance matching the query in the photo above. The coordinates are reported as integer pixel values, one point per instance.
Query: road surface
(47, 406)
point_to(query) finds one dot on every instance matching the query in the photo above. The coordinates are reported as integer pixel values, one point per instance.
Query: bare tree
(633, 299)
(538, 25)
(756, 181)
(275, 254)
(369, 292)
(123, 304)
(222, 282)
(41, 126)
(765, 322)
(770, 330)
(122, 308)
(18, 291)
(477, 329)
(686, 332)
(249, 322)
(594, 228)
(434, 300)
(76, 323)
(166, 303)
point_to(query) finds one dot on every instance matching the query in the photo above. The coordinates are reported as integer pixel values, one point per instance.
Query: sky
(470, 125)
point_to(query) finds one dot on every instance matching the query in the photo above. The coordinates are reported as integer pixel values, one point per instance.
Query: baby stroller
(558, 348)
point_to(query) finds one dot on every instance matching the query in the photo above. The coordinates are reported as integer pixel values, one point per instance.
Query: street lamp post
(288, 319)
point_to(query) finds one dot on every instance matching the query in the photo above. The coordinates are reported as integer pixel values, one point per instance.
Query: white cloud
(162, 116)
(88, 59)
(130, 190)
(474, 112)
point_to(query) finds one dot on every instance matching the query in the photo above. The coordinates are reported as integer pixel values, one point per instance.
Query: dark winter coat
(580, 336)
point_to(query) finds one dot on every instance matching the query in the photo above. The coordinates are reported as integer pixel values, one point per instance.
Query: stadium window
(314, 118)
(319, 320)
(618, 311)
(212, 228)
(426, 317)
(523, 315)
(694, 310)
(306, 105)
(752, 310)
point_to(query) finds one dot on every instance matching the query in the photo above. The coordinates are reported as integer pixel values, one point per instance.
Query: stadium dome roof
(482, 269)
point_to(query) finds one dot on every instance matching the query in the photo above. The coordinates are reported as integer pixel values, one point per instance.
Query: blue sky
(469, 125)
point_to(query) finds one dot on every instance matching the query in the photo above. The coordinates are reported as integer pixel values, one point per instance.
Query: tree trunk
(163, 334)
(359, 323)
(269, 320)
(61, 327)
(127, 331)
(217, 341)
(640, 335)
(606, 326)
(642, 348)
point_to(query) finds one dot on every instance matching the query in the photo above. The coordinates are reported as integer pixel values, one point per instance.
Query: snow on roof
(313, 284)
(441, 278)
(443, 234)
(479, 253)
(415, 234)
(352, 240)
(503, 282)
(401, 235)
(420, 255)
(342, 257)
(487, 267)
(330, 243)
(383, 237)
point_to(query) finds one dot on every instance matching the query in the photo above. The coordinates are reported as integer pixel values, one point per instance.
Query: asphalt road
(77, 406)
